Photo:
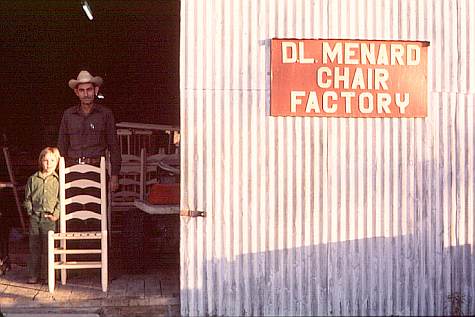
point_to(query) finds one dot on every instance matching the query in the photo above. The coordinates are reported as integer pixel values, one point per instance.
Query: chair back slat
(82, 168)
(83, 215)
(82, 199)
(82, 183)
(87, 200)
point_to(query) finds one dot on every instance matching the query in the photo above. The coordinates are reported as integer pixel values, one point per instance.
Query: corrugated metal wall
(324, 216)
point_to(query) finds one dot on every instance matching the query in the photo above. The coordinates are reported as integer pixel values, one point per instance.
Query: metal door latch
(192, 213)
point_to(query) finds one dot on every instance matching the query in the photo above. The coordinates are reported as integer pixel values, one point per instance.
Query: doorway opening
(134, 47)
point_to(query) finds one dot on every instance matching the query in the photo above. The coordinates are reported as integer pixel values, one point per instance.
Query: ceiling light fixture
(87, 10)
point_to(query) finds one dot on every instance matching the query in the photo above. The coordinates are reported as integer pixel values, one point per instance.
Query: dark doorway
(132, 45)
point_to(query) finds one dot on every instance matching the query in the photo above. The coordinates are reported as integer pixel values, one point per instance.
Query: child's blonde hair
(46, 150)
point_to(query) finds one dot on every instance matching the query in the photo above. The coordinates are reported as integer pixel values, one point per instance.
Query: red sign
(348, 78)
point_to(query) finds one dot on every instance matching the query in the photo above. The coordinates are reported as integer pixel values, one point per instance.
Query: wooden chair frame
(63, 235)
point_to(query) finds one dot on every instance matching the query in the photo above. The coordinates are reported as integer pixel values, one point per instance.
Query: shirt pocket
(75, 126)
(37, 195)
(96, 125)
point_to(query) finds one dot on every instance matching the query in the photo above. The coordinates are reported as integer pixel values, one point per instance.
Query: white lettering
(358, 79)
(347, 95)
(361, 102)
(345, 77)
(312, 103)
(383, 100)
(402, 104)
(381, 75)
(340, 77)
(397, 51)
(350, 53)
(370, 78)
(354, 53)
(413, 55)
(295, 99)
(326, 107)
(320, 81)
(367, 54)
(382, 55)
(302, 58)
(286, 59)
(329, 53)
(344, 102)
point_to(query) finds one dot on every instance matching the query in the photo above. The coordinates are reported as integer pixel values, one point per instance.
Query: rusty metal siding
(324, 216)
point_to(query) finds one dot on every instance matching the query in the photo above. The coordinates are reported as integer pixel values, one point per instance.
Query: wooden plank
(86, 286)
(21, 294)
(153, 285)
(74, 265)
(43, 296)
(3, 284)
(170, 287)
(156, 209)
(136, 287)
(118, 287)
(63, 293)
(147, 126)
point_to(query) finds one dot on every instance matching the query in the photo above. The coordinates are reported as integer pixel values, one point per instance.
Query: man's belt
(86, 160)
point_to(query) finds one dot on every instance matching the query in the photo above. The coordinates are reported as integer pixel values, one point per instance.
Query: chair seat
(77, 235)
(78, 265)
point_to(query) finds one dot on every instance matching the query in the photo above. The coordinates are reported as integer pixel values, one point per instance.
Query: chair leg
(51, 261)
(63, 260)
(104, 265)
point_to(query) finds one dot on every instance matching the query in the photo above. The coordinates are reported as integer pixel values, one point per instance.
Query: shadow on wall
(404, 275)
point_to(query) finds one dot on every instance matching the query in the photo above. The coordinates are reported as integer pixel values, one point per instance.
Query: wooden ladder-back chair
(130, 181)
(85, 213)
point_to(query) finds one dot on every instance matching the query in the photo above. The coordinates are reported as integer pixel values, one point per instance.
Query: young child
(42, 205)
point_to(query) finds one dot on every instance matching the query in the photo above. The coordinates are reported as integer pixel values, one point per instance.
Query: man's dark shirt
(89, 135)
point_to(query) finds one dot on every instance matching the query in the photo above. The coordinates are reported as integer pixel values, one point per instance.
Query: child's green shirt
(42, 194)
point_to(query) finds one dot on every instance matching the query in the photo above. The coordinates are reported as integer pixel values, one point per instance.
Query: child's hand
(51, 217)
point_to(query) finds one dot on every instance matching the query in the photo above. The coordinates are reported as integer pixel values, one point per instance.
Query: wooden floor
(136, 289)
(155, 290)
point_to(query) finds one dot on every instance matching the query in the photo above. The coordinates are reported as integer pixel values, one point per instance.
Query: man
(88, 130)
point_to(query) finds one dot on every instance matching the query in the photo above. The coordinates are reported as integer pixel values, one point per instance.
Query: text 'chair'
(85, 199)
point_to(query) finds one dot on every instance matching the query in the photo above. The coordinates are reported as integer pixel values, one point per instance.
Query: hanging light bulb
(87, 10)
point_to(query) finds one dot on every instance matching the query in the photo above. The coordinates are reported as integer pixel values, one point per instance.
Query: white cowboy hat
(83, 78)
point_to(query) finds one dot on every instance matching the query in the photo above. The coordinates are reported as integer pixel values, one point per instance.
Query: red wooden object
(164, 194)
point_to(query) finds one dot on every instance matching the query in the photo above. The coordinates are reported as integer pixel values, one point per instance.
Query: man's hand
(114, 183)
(51, 217)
